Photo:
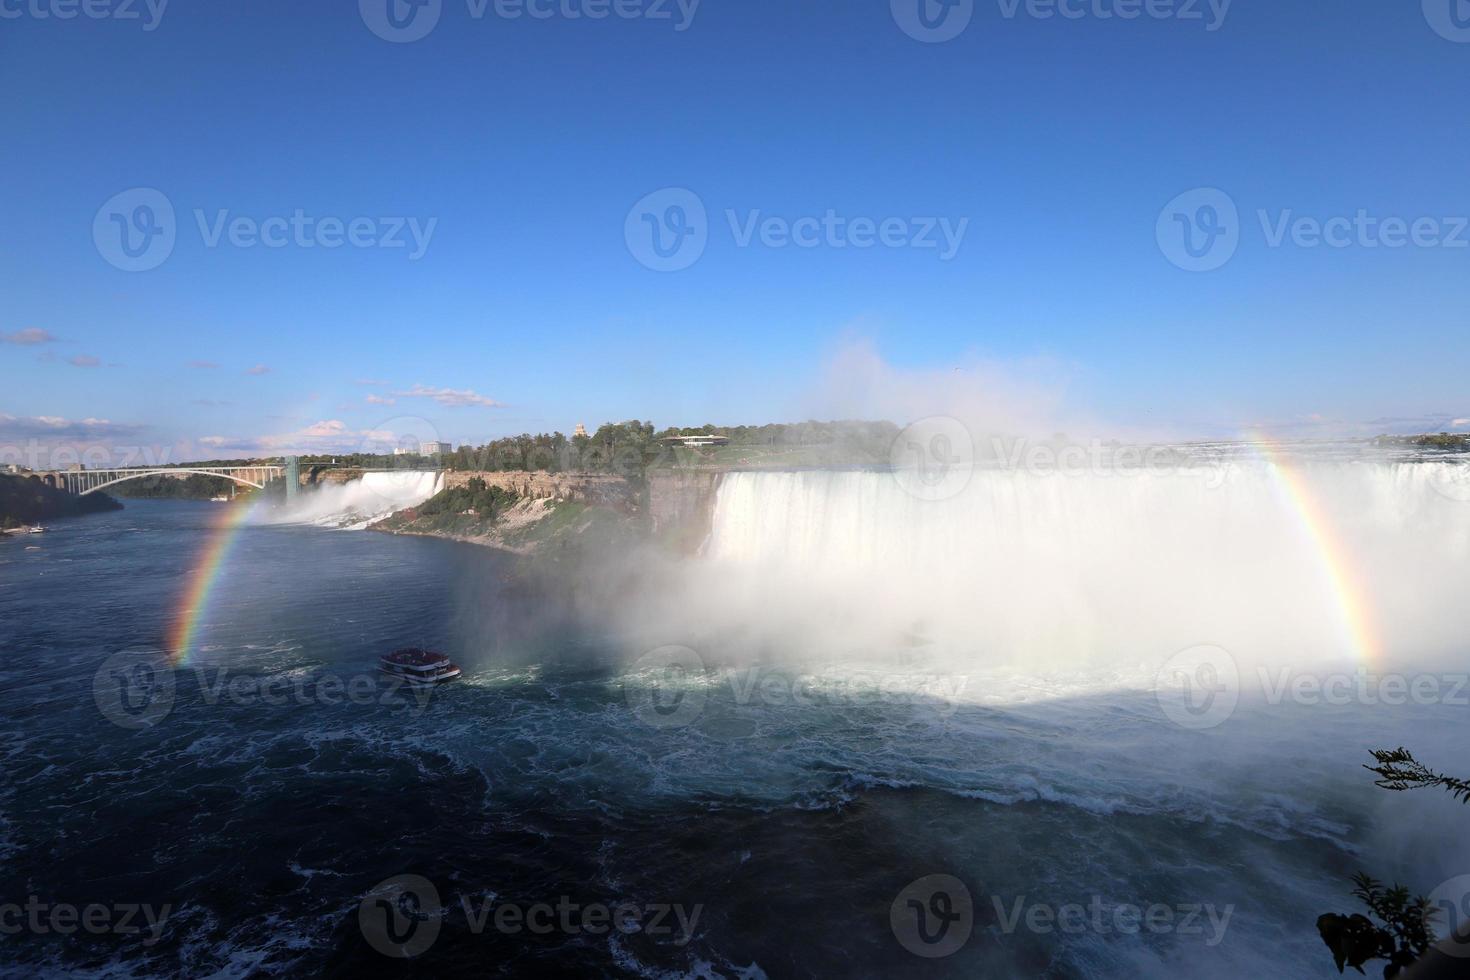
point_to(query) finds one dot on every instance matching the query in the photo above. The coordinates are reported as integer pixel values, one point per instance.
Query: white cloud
(27, 337)
(450, 397)
(325, 429)
(381, 400)
(258, 370)
(83, 361)
(322, 436)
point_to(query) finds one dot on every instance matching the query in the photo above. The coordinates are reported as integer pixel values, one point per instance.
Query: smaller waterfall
(357, 503)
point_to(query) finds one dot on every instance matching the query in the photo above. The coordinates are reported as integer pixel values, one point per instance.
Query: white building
(696, 442)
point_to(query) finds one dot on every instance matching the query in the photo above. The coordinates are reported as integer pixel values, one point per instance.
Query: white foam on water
(357, 503)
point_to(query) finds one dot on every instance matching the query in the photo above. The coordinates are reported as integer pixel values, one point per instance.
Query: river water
(736, 805)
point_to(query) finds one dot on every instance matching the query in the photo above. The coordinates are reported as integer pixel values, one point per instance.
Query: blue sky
(524, 143)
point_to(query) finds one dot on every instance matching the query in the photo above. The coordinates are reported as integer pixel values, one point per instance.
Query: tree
(1407, 930)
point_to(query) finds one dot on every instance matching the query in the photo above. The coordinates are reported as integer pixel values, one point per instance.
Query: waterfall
(357, 503)
(1323, 560)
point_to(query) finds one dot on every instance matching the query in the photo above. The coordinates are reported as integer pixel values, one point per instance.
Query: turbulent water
(357, 503)
(852, 690)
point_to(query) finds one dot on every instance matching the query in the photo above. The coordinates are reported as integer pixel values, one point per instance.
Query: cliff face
(593, 489)
(681, 505)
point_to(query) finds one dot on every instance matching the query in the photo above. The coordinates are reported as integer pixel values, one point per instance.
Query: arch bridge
(83, 482)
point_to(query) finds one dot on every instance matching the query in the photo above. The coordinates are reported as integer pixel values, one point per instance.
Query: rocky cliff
(681, 505)
(593, 489)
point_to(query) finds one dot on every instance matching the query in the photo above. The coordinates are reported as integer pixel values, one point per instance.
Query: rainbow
(203, 576)
(1353, 597)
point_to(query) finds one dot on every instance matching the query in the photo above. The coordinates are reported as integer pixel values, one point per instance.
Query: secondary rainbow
(1347, 583)
(203, 576)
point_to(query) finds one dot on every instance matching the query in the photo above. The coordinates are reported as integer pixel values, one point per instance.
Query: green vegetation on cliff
(26, 500)
(629, 449)
(1449, 442)
(551, 529)
(195, 486)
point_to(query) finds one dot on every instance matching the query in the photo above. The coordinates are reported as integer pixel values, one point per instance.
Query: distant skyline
(250, 229)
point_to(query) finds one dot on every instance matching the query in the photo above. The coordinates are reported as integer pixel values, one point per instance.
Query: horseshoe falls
(1359, 562)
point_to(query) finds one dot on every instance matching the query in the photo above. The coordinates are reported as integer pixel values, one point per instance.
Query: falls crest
(1320, 561)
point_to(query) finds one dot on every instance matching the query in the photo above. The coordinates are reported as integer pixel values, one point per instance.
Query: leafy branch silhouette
(1398, 770)
(1404, 930)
